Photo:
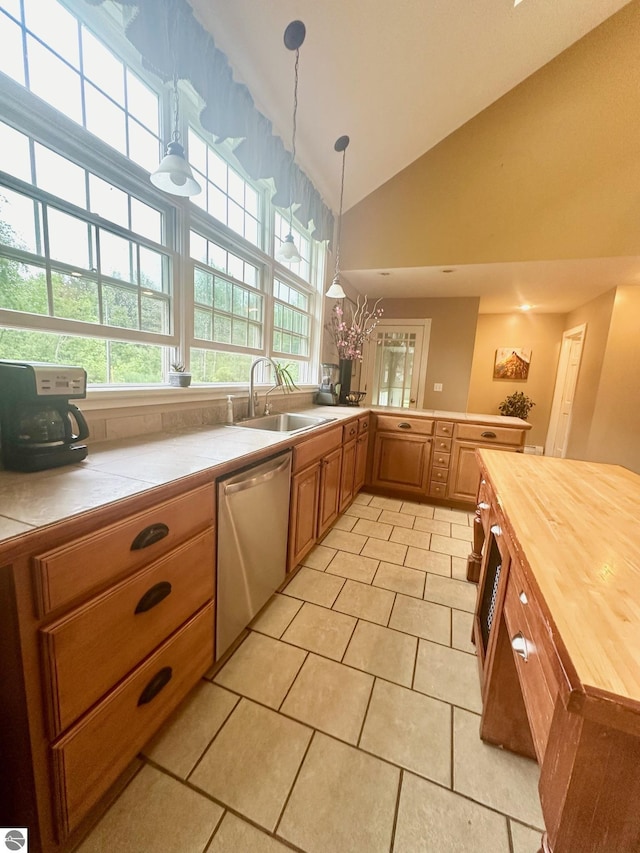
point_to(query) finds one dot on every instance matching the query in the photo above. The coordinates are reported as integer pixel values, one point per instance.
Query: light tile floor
(347, 721)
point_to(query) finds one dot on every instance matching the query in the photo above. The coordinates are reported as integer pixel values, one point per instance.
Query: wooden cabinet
(110, 621)
(347, 479)
(315, 491)
(362, 452)
(402, 453)
(464, 477)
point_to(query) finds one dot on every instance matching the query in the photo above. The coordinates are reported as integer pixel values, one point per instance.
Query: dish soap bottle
(230, 409)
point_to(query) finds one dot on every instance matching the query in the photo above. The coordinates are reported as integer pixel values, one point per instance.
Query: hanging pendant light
(174, 174)
(294, 36)
(336, 291)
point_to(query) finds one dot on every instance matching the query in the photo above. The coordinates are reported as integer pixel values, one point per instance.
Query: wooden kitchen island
(557, 629)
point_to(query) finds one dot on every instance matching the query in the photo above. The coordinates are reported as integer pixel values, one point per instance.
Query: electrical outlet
(437, 386)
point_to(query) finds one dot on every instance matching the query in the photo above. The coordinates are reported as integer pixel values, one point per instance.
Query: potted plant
(516, 405)
(178, 375)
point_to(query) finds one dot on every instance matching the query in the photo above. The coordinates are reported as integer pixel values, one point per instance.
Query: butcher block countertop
(575, 527)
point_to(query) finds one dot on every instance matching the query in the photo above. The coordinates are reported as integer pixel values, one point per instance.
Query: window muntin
(228, 306)
(76, 73)
(302, 241)
(291, 320)
(225, 194)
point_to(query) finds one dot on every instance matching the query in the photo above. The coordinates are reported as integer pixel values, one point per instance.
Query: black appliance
(329, 391)
(39, 427)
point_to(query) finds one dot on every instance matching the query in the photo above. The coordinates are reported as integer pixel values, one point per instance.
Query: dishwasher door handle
(251, 482)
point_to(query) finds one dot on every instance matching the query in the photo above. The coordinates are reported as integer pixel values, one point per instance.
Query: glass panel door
(394, 365)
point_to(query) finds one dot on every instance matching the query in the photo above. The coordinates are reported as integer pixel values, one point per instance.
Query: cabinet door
(347, 475)
(464, 475)
(362, 445)
(401, 461)
(329, 504)
(303, 519)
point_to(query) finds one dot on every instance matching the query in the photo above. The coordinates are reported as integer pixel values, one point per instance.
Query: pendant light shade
(288, 252)
(335, 291)
(294, 36)
(174, 174)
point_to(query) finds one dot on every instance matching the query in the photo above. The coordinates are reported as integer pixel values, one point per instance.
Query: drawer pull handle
(404, 425)
(159, 680)
(496, 530)
(523, 597)
(153, 596)
(488, 434)
(149, 536)
(519, 645)
(483, 505)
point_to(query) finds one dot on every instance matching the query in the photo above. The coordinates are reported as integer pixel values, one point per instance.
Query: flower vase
(344, 377)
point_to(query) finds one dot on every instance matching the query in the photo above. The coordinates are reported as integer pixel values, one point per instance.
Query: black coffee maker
(39, 427)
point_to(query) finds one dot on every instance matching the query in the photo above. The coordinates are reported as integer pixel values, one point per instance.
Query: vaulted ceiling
(397, 77)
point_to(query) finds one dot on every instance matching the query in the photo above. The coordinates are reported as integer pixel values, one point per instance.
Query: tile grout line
(396, 811)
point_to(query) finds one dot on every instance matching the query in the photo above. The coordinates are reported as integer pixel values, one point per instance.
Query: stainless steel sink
(288, 422)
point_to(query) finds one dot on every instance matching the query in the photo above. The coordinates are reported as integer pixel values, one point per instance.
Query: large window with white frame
(96, 266)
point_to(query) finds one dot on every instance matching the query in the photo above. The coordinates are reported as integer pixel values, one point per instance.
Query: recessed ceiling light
(384, 273)
(516, 3)
(448, 269)
(525, 307)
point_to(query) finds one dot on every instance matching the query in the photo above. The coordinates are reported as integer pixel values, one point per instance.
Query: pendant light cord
(293, 137)
(176, 108)
(344, 153)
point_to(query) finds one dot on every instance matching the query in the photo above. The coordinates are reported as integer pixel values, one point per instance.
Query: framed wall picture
(512, 363)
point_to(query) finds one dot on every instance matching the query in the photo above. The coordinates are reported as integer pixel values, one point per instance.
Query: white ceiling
(398, 76)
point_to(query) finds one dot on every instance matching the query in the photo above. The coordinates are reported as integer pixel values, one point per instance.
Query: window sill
(136, 396)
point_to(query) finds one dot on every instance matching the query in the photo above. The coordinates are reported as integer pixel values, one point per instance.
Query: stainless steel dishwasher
(253, 522)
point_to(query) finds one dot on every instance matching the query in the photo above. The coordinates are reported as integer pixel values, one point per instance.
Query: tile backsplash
(114, 423)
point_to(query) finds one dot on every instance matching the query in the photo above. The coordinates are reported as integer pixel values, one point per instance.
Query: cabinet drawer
(441, 460)
(442, 445)
(91, 756)
(93, 647)
(312, 449)
(363, 424)
(536, 673)
(439, 475)
(437, 490)
(75, 569)
(398, 423)
(488, 435)
(350, 431)
(444, 428)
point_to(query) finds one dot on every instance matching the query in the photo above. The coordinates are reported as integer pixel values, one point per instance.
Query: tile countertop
(119, 469)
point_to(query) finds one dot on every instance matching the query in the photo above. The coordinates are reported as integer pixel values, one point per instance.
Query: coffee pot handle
(83, 427)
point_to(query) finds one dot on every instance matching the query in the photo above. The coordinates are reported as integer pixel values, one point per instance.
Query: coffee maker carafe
(39, 426)
(327, 395)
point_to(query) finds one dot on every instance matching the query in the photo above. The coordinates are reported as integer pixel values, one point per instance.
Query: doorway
(395, 363)
(563, 395)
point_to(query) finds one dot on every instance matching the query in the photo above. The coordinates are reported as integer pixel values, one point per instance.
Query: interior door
(396, 363)
(566, 380)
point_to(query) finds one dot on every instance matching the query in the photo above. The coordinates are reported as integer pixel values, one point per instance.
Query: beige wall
(615, 426)
(596, 316)
(551, 170)
(453, 331)
(542, 334)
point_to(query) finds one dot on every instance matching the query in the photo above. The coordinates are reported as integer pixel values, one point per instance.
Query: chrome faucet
(253, 395)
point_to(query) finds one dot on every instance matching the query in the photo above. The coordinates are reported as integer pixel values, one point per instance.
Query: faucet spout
(254, 394)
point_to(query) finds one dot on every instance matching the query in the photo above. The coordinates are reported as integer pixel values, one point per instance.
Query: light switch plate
(437, 386)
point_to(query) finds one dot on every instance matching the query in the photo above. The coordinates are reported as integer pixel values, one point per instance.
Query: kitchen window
(97, 266)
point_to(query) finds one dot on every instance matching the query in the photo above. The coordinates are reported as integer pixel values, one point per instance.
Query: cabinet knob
(519, 646)
(523, 597)
(483, 505)
(496, 530)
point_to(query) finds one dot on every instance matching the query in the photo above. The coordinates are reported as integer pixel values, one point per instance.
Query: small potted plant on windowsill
(178, 375)
(516, 405)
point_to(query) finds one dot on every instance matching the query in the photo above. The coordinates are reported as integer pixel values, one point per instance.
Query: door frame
(577, 333)
(369, 356)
